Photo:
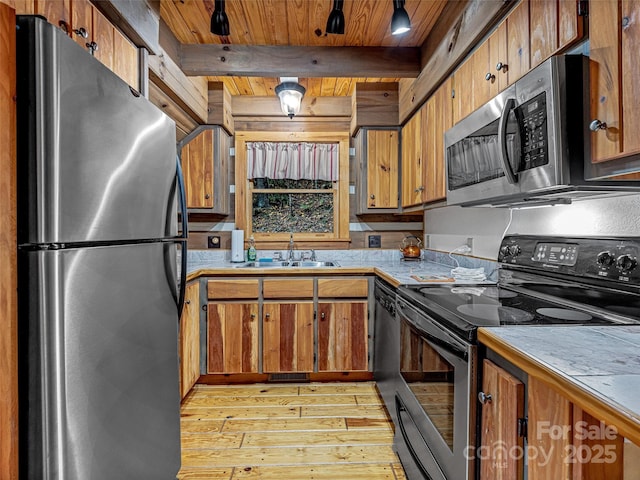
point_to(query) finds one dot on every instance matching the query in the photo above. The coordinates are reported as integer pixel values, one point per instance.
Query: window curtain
(295, 161)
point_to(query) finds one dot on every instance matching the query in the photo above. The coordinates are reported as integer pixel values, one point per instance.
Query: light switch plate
(375, 241)
(213, 241)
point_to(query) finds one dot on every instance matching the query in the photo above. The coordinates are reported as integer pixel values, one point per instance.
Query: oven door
(434, 408)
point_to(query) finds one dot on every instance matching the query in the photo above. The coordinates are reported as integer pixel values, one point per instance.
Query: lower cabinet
(563, 441)
(232, 344)
(287, 337)
(342, 336)
(189, 346)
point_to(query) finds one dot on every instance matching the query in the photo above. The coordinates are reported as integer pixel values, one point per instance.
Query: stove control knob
(514, 250)
(504, 250)
(626, 263)
(605, 259)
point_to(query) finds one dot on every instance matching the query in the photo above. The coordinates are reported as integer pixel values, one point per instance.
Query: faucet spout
(291, 254)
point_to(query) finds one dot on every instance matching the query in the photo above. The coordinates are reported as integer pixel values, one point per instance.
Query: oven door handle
(401, 407)
(509, 105)
(450, 345)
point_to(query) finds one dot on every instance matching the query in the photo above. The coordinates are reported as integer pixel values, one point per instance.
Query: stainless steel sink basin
(300, 264)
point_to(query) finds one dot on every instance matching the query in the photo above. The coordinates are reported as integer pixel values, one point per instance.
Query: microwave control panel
(535, 141)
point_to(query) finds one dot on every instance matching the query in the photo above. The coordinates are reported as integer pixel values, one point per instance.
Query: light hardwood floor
(320, 431)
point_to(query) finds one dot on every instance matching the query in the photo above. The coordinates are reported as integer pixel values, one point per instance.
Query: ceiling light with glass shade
(290, 93)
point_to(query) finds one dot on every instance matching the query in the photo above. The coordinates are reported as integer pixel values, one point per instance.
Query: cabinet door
(197, 166)
(483, 78)
(412, 151)
(463, 90)
(518, 41)
(499, 426)
(382, 169)
(103, 37)
(82, 22)
(499, 58)
(439, 120)
(125, 62)
(543, 24)
(342, 336)
(190, 339)
(232, 338)
(287, 337)
(56, 12)
(615, 78)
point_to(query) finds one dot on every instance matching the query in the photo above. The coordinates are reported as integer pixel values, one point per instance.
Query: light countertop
(596, 367)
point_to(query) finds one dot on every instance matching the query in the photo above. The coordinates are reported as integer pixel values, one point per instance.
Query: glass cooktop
(465, 308)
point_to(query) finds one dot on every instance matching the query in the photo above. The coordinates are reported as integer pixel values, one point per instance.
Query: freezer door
(99, 396)
(97, 161)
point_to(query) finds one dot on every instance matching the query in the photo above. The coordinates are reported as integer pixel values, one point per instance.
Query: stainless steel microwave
(530, 144)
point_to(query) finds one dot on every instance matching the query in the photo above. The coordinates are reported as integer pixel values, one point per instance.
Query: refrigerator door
(96, 159)
(101, 371)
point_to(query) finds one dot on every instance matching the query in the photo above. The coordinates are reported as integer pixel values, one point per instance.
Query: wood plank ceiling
(299, 23)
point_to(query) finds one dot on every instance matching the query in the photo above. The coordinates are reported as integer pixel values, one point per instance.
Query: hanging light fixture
(290, 93)
(335, 23)
(400, 22)
(219, 20)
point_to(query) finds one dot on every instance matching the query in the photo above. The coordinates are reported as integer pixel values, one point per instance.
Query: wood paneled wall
(8, 249)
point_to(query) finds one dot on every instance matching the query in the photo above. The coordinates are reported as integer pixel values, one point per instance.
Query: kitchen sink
(297, 264)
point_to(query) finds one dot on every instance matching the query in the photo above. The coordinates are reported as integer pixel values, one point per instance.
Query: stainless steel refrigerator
(98, 288)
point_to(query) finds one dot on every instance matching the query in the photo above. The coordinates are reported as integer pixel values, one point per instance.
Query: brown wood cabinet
(412, 159)
(205, 159)
(439, 118)
(614, 37)
(503, 406)
(342, 336)
(377, 187)
(189, 349)
(232, 345)
(287, 337)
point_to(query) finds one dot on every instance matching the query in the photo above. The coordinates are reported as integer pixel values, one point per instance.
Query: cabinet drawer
(227, 289)
(287, 288)
(343, 287)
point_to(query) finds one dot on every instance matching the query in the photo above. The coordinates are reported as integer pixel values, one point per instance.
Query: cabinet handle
(484, 398)
(419, 189)
(322, 315)
(489, 77)
(596, 125)
(501, 67)
(207, 196)
(81, 32)
(187, 302)
(64, 26)
(93, 47)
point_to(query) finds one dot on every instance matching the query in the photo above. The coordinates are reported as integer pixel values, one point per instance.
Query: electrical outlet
(213, 241)
(470, 243)
(375, 241)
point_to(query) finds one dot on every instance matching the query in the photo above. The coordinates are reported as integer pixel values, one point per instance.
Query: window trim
(243, 204)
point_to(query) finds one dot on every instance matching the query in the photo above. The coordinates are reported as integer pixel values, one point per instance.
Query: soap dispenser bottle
(251, 251)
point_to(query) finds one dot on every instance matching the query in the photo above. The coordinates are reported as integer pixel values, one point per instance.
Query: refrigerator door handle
(184, 235)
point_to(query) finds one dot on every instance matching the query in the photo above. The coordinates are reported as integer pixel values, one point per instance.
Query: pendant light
(219, 19)
(290, 93)
(400, 22)
(335, 22)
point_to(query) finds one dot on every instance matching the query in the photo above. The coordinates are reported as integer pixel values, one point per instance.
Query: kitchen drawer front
(343, 287)
(287, 288)
(230, 289)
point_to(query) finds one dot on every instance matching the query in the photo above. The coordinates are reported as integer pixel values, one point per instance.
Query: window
(282, 186)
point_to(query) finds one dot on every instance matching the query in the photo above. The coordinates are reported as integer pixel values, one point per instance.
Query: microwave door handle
(509, 105)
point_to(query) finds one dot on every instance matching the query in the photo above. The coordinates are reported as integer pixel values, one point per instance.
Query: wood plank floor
(320, 431)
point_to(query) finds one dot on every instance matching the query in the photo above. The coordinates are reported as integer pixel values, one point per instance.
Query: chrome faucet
(313, 256)
(291, 255)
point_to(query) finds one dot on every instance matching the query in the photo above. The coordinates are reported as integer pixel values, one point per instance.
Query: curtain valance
(296, 161)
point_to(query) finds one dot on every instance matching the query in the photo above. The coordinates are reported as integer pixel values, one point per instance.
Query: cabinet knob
(596, 125)
(82, 32)
(501, 67)
(484, 398)
(267, 316)
(207, 196)
(322, 316)
(64, 26)
(489, 77)
(372, 196)
(253, 316)
(93, 47)
(419, 189)
(187, 302)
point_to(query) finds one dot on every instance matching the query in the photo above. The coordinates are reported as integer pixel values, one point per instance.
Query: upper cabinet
(377, 185)
(92, 31)
(205, 159)
(614, 37)
(439, 118)
(412, 159)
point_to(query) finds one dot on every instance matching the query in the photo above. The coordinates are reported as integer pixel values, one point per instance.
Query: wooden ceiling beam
(252, 106)
(274, 61)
